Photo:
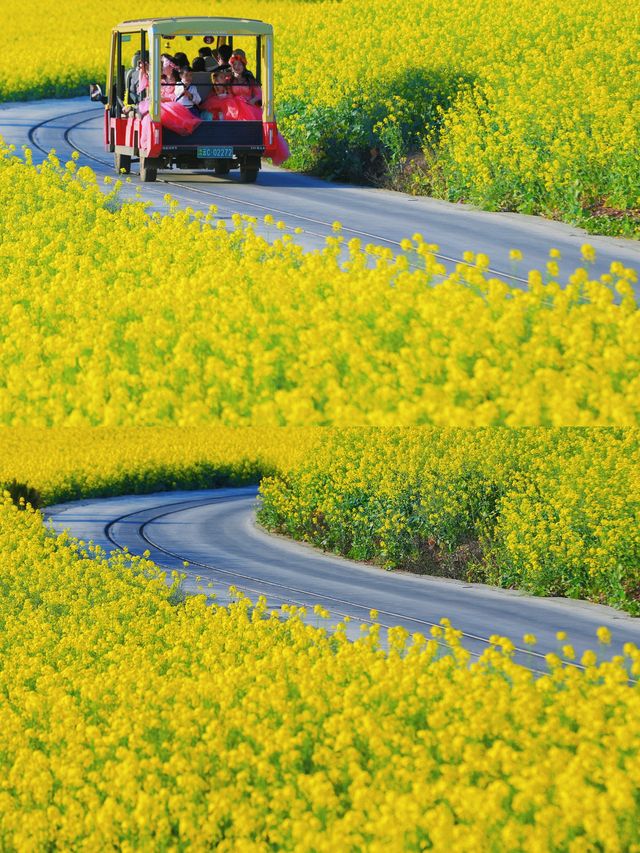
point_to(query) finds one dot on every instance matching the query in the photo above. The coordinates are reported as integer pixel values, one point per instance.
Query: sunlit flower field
(92, 335)
(135, 719)
(554, 512)
(551, 511)
(528, 106)
(61, 464)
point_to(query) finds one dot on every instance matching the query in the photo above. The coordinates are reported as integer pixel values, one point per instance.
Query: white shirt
(187, 102)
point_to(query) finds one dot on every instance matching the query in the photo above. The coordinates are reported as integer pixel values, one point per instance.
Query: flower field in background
(528, 106)
(551, 511)
(134, 719)
(148, 352)
(93, 336)
(61, 464)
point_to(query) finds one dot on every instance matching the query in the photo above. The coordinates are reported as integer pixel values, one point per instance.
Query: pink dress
(280, 152)
(216, 103)
(178, 118)
(239, 109)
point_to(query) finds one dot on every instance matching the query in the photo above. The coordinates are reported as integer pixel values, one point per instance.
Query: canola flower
(136, 719)
(48, 466)
(554, 512)
(92, 336)
(528, 106)
(551, 511)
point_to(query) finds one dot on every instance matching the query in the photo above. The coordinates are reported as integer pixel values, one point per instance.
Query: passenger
(168, 83)
(136, 82)
(221, 78)
(243, 55)
(181, 60)
(186, 93)
(224, 54)
(244, 84)
(142, 84)
(219, 99)
(206, 54)
(201, 78)
(248, 73)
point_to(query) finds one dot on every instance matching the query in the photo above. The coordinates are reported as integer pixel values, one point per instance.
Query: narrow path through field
(375, 216)
(215, 531)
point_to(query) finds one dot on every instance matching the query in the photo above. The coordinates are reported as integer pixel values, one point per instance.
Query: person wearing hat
(244, 84)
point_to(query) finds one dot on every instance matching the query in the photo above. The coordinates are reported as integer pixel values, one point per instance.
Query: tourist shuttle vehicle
(136, 130)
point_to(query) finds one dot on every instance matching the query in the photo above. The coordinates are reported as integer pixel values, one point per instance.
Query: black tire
(148, 170)
(248, 174)
(221, 168)
(122, 163)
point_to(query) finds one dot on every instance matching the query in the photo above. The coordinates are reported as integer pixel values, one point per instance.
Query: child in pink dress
(217, 102)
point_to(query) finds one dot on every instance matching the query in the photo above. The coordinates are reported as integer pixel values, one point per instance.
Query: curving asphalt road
(376, 216)
(215, 531)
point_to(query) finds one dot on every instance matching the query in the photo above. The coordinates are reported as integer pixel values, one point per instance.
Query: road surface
(216, 533)
(374, 215)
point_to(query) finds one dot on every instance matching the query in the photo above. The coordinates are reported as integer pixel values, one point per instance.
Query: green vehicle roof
(198, 26)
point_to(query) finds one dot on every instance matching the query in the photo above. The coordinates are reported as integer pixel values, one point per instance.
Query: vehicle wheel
(148, 169)
(122, 163)
(248, 174)
(221, 168)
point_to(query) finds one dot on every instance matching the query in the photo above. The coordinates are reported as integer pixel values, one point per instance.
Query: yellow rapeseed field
(133, 719)
(528, 105)
(109, 316)
(555, 512)
(61, 464)
(552, 511)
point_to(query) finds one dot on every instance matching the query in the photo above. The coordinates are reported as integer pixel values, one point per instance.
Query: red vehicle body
(131, 132)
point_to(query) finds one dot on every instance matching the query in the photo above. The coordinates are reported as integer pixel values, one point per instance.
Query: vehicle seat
(202, 82)
(130, 85)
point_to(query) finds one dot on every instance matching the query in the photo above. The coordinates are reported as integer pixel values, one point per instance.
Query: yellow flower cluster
(549, 511)
(109, 316)
(554, 512)
(133, 719)
(49, 466)
(528, 105)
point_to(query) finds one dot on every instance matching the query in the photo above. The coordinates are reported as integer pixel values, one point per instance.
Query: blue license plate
(214, 151)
